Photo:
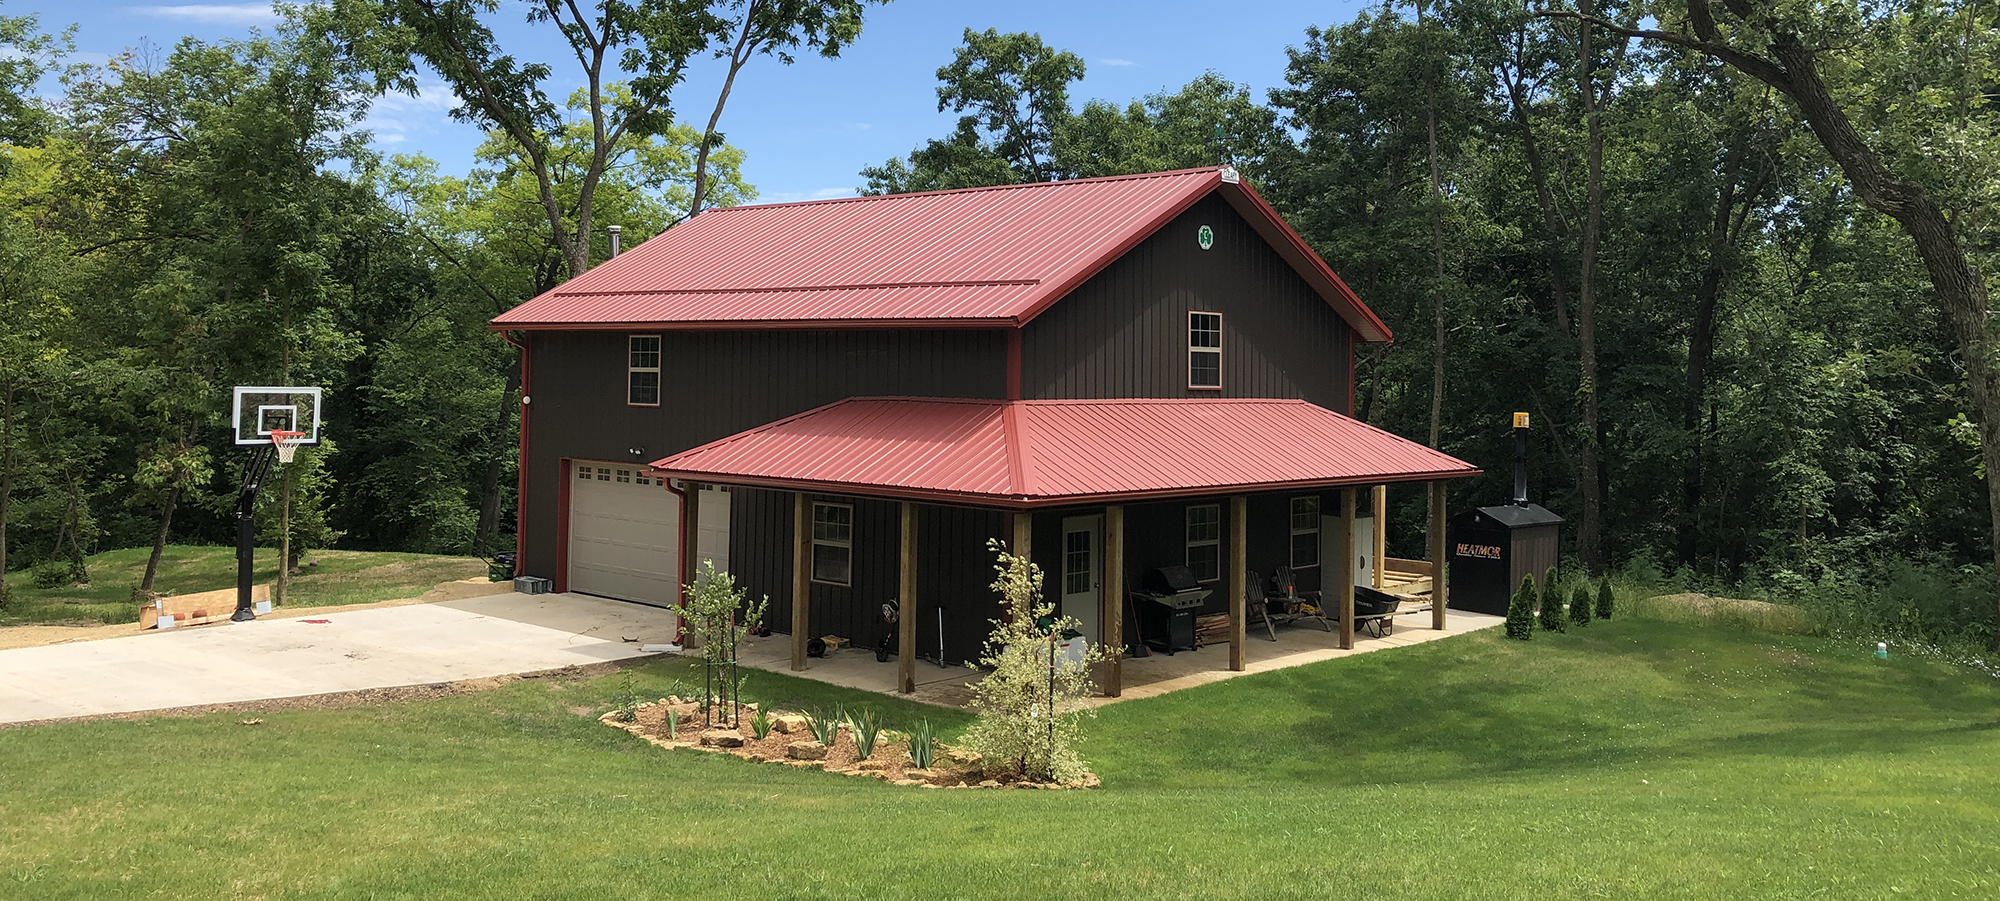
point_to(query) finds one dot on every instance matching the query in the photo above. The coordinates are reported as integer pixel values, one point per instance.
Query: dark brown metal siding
(1535, 550)
(717, 384)
(1123, 333)
(955, 575)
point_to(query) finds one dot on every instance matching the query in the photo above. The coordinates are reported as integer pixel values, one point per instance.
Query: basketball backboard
(259, 410)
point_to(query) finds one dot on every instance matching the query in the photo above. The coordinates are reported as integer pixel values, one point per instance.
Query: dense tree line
(1733, 255)
(1735, 262)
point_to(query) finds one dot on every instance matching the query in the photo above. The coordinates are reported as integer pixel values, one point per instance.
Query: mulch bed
(890, 762)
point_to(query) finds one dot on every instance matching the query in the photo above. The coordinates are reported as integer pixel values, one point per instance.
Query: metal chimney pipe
(615, 230)
(1520, 459)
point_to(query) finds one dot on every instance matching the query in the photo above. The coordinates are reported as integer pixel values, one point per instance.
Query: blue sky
(807, 129)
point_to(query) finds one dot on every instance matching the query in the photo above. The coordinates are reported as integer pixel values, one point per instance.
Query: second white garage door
(624, 535)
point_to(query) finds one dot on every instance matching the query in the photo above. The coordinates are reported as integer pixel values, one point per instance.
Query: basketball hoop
(287, 443)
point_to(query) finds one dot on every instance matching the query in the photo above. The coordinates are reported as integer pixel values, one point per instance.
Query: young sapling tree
(1031, 706)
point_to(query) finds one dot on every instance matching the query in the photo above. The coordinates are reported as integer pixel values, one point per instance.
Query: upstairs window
(642, 366)
(1305, 532)
(1204, 350)
(833, 544)
(1204, 541)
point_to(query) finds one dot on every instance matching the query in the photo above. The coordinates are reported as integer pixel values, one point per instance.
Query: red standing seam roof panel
(1063, 451)
(981, 257)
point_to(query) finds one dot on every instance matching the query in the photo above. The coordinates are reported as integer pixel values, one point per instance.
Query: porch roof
(1024, 454)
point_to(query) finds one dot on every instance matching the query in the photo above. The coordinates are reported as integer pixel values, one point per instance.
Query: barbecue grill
(1167, 623)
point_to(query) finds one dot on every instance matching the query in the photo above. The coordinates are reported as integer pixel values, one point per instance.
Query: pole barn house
(841, 401)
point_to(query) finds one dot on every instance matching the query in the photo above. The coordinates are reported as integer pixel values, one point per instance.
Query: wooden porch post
(1112, 623)
(1024, 535)
(1380, 503)
(801, 577)
(906, 619)
(1345, 572)
(1237, 581)
(1439, 592)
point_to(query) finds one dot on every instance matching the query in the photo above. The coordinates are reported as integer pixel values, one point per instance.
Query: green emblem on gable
(1205, 237)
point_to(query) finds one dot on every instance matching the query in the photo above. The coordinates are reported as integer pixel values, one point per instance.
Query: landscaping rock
(722, 738)
(989, 784)
(806, 750)
(872, 764)
(788, 723)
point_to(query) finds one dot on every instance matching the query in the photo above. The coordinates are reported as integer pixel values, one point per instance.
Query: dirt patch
(889, 762)
(364, 697)
(39, 635)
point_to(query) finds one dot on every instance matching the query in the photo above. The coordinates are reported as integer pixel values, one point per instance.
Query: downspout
(680, 587)
(521, 468)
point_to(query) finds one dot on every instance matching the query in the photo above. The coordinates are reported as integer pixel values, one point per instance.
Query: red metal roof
(981, 257)
(1029, 453)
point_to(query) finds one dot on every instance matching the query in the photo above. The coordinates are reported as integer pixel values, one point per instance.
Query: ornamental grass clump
(822, 727)
(1579, 604)
(1604, 601)
(760, 724)
(1030, 707)
(923, 745)
(1552, 619)
(1521, 611)
(867, 730)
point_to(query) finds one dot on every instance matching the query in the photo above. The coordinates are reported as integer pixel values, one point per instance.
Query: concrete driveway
(324, 653)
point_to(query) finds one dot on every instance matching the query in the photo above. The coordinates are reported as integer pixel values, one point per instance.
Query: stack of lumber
(1211, 629)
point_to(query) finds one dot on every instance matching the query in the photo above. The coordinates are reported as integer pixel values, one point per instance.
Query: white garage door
(624, 535)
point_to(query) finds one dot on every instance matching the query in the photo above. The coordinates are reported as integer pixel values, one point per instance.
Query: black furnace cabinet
(1494, 548)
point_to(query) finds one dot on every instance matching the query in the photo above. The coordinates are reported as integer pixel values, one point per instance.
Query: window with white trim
(1305, 532)
(1204, 541)
(1204, 350)
(833, 544)
(642, 370)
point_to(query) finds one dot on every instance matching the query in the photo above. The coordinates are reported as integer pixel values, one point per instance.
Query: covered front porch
(1143, 677)
(897, 498)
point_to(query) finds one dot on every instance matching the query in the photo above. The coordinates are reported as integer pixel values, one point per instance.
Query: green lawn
(1636, 758)
(338, 577)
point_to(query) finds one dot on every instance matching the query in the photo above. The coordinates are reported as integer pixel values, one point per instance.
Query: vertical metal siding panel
(954, 571)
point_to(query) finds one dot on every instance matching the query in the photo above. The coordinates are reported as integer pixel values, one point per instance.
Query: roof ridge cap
(972, 190)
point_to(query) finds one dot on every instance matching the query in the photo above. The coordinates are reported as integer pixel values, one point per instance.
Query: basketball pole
(254, 472)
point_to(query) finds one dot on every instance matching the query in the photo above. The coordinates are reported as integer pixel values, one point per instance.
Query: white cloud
(1114, 61)
(213, 13)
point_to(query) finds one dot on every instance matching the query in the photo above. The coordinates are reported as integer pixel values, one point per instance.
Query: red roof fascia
(1026, 454)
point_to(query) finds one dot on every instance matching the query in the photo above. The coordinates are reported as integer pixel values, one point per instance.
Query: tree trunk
(1437, 246)
(160, 540)
(1701, 348)
(1544, 197)
(1588, 540)
(489, 492)
(8, 460)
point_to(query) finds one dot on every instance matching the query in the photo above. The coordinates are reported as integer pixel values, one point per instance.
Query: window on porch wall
(1204, 541)
(833, 544)
(1305, 532)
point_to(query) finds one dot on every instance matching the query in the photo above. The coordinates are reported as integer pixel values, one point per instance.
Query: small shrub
(867, 731)
(1579, 604)
(1521, 611)
(923, 745)
(58, 574)
(1604, 600)
(625, 702)
(760, 724)
(1552, 619)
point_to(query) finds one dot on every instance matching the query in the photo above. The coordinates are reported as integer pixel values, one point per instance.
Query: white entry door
(624, 534)
(1082, 572)
(1363, 550)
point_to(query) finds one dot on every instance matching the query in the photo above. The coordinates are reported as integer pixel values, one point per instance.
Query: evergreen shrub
(1604, 600)
(1579, 604)
(1521, 611)
(1552, 619)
